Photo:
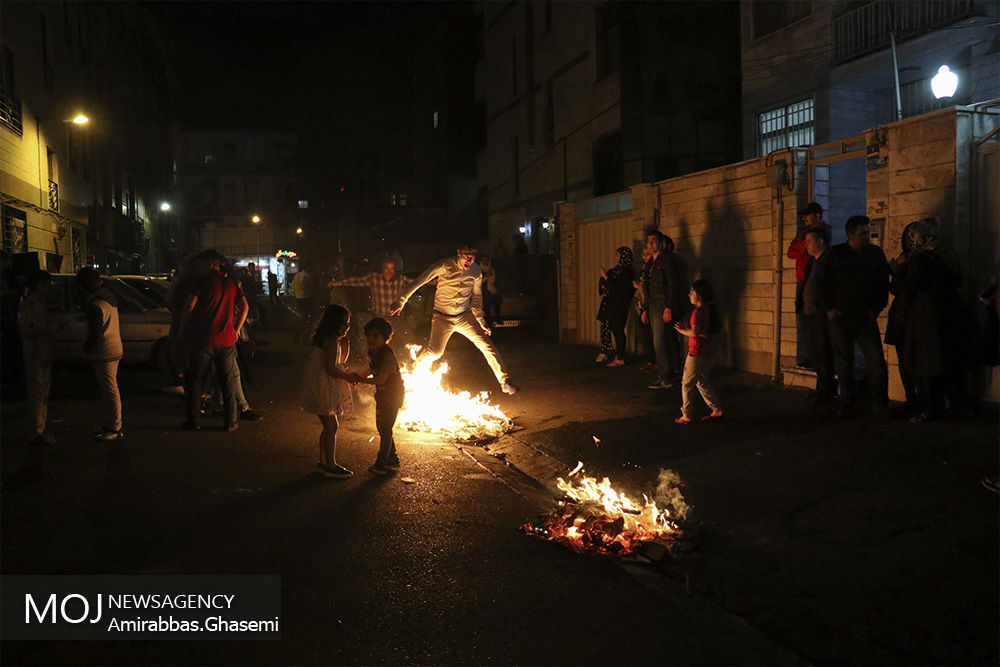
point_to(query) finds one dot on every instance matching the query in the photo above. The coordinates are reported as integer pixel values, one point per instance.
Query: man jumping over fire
(458, 306)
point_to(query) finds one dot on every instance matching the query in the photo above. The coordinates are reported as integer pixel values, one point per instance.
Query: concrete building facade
(88, 193)
(586, 98)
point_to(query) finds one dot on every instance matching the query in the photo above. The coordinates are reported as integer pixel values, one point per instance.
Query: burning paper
(596, 518)
(430, 408)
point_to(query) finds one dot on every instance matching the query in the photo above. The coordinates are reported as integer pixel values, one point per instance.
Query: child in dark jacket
(703, 327)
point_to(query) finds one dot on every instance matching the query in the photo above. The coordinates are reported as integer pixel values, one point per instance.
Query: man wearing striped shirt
(458, 307)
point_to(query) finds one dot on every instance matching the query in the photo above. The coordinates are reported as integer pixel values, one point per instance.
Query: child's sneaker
(378, 469)
(340, 472)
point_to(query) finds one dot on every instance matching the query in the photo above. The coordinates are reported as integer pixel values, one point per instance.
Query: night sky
(323, 68)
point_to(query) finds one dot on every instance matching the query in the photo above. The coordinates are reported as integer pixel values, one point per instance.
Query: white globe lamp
(944, 83)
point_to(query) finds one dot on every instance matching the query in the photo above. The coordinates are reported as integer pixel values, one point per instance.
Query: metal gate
(596, 244)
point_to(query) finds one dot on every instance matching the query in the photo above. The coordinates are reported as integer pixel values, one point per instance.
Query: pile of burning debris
(430, 408)
(593, 517)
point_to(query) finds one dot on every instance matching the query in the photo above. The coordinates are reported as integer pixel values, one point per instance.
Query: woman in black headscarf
(618, 290)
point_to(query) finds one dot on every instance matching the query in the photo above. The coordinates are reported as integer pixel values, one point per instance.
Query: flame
(430, 408)
(598, 518)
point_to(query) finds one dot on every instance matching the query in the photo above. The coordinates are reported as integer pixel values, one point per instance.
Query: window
(303, 203)
(549, 122)
(774, 15)
(435, 120)
(516, 160)
(397, 199)
(47, 73)
(15, 230)
(785, 126)
(10, 106)
(229, 193)
(608, 39)
(513, 65)
(67, 24)
(609, 165)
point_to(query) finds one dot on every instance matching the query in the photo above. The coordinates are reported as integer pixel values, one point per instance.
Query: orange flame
(430, 408)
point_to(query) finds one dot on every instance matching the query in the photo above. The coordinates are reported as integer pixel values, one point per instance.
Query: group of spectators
(840, 292)
(660, 296)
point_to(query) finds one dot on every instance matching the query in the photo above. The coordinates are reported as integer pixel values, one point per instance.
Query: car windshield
(118, 286)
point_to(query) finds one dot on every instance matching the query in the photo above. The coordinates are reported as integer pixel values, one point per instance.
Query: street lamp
(944, 83)
(80, 119)
(299, 231)
(164, 206)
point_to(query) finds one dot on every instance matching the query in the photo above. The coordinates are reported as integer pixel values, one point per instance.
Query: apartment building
(586, 98)
(821, 71)
(77, 191)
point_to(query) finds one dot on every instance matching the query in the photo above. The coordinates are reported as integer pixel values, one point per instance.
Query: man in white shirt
(458, 307)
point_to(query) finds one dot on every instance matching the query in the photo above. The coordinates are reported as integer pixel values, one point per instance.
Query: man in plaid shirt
(385, 286)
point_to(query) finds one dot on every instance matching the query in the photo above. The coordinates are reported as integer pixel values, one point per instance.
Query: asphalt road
(374, 570)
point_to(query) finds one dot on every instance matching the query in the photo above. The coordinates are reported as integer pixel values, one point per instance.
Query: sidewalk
(849, 541)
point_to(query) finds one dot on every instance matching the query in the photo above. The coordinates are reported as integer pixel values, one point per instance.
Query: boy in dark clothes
(389, 392)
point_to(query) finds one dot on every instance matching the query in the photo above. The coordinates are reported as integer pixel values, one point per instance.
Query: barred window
(784, 127)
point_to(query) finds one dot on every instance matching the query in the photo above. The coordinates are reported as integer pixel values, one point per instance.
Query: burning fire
(596, 518)
(430, 408)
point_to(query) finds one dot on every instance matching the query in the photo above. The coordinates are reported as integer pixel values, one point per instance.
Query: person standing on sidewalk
(618, 290)
(458, 306)
(817, 325)
(812, 218)
(662, 310)
(704, 325)
(211, 321)
(855, 290)
(305, 297)
(37, 325)
(103, 346)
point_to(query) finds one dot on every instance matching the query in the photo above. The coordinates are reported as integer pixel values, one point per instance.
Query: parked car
(153, 287)
(144, 323)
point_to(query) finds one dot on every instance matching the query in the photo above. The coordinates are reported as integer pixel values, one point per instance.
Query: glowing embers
(430, 408)
(596, 518)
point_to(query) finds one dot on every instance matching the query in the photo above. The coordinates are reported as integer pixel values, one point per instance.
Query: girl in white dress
(326, 381)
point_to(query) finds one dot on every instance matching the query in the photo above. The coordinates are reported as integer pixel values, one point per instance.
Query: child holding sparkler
(389, 392)
(325, 383)
(705, 325)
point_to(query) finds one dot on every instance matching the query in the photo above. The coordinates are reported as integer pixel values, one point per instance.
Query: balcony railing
(53, 195)
(866, 29)
(10, 113)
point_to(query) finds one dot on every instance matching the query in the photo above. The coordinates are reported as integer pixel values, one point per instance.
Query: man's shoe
(393, 464)
(378, 469)
(662, 384)
(880, 411)
(43, 440)
(175, 390)
(110, 436)
(249, 415)
(231, 427)
(191, 425)
(509, 388)
(339, 472)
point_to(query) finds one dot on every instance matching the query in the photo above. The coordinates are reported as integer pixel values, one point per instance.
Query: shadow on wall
(721, 258)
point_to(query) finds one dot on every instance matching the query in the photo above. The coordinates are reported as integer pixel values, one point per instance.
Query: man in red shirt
(812, 216)
(211, 321)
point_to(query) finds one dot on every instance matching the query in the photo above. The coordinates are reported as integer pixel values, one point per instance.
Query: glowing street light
(299, 231)
(944, 83)
(80, 119)
(164, 206)
(255, 219)
(545, 225)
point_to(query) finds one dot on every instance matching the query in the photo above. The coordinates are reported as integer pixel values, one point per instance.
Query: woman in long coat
(895, 328)
(938, 334)
(618, 290)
